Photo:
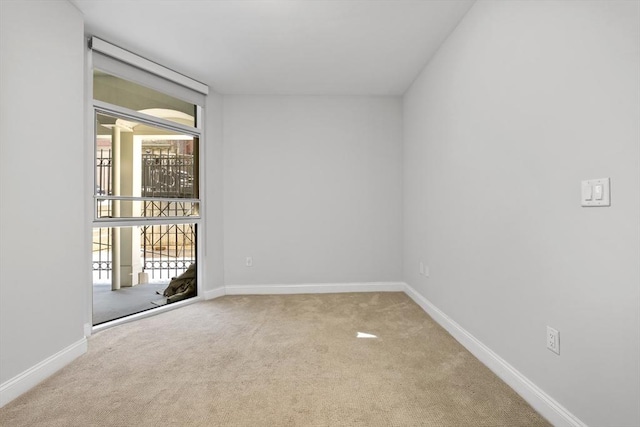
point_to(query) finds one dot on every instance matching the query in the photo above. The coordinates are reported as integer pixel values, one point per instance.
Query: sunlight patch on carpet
(365, 335)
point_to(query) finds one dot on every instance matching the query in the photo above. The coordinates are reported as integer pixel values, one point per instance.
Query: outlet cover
(553, 340)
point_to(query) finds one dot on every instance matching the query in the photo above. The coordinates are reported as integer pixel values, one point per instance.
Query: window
(144, 171)
(147, 194)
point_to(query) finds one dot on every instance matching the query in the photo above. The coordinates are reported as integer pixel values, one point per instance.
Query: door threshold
(144, 314)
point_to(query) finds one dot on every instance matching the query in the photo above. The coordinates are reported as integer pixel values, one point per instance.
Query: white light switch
(587, 191)
(596, 192)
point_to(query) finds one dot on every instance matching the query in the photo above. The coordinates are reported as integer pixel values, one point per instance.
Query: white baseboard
(555, 413)
(214, 293)
(538, 399)
(38, 373)
(314, 288)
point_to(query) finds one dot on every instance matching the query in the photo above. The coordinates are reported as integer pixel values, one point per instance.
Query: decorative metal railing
(168, 175)
(167, 250)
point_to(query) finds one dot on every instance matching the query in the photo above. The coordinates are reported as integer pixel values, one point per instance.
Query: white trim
(21, 383)
(144, 64)
(214, 293)
(314, 288)
(90, 188)
(141, 220)
(549, 408)
(127, 114)
(144, 314)
(146, 198)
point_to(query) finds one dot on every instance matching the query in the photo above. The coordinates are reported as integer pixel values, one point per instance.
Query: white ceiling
(316, 47)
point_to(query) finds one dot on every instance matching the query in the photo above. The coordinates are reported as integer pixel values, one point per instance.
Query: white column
(115, 231)
(130, 177)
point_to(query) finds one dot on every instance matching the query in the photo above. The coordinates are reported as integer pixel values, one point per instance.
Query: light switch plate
(589, 196)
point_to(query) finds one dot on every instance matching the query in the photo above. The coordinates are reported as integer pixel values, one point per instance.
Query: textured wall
(42, 249)
(523, 101)
(312, 189)
(212, 174)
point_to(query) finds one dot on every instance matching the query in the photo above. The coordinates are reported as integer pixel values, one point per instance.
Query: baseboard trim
(555, 413)
(23, 382)
(314, 288)
(214, 293)
(550, 409)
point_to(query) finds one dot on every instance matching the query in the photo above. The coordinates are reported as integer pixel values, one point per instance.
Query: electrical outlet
(424, 269)
(249, 262)
(553, 340)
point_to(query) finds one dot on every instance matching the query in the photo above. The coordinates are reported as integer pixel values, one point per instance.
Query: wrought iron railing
(168, 175)
(102, 252)
(167, 250)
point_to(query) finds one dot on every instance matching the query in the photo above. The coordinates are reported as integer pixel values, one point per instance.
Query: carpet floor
(366, 359)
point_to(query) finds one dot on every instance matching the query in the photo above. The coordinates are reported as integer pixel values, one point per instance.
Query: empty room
(320, 213)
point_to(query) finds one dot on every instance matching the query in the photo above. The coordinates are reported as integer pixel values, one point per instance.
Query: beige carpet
(291, 360)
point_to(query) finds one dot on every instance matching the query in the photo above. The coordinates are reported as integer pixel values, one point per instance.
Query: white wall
(523, 101)
(312, 189)
(213, 175)
(42, 292)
